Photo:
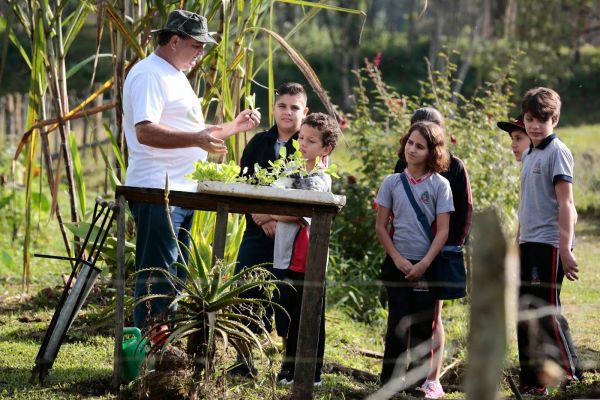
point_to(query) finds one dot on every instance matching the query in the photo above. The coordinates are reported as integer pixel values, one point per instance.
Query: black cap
(509, 126)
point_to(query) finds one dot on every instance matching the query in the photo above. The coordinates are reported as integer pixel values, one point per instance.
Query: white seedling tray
(271, 193)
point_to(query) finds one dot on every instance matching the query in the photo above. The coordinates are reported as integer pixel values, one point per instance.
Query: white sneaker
(432, 390)
(284, 381)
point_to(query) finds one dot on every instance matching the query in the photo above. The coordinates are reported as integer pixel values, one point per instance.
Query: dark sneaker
(568, 382)
(284, 374)
(243, 370)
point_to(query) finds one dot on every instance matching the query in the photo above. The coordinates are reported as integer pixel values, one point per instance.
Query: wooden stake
(312, 303)
(487, 331)
(120, 297)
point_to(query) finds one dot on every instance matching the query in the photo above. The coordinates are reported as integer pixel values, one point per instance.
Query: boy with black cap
(520, 142)
(546, 218)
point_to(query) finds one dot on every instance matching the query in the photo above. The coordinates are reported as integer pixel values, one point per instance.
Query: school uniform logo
(425, 198)
(537, 168)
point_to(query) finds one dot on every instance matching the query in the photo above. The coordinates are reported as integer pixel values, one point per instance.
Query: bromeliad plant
(210, 304)
(210, 308)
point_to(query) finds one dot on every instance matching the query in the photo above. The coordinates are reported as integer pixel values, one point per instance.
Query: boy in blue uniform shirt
(546, 218)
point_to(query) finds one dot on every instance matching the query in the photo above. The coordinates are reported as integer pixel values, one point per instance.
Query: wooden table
(244, 199)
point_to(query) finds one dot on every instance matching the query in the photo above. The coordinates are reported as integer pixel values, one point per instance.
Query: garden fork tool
(84, 268)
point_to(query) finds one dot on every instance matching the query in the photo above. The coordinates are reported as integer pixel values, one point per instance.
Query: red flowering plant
(377, 60)
(382, 116)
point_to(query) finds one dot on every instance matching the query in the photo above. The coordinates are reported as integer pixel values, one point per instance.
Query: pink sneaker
(432, 390)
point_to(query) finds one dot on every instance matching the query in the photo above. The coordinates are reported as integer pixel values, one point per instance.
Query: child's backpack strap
(420, 215)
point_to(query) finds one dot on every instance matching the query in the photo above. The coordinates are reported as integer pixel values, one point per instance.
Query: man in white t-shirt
(166, 135)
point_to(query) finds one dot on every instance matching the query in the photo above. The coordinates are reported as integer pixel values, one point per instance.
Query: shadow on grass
(96, 318)
(341, 390)
(87, 381)
(76, 334)
(590, 225)
(590, 358)
(44, 300)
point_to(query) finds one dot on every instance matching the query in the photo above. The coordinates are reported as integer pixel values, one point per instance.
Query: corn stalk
(56, 74)
(43, 23)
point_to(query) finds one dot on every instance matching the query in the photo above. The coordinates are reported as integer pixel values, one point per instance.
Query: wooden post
(120, 289)
(220, 233)
(97, 128)
(3, 130)
(85, 140)
(469, 267)
(488, 330)
(312, 303)
(10, 108)
(18, 114)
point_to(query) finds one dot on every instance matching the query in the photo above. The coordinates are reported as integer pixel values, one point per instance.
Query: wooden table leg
(220, 232)
(312, 302)
(120, 293)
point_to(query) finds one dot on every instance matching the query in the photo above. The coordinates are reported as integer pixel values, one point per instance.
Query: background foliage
(559, 40)
(374, 128)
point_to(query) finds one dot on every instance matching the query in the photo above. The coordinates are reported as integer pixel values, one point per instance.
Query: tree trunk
(412, 31)
(466, 61)
(344, 31)
(486, 20)
(510, 19)
(436, 38)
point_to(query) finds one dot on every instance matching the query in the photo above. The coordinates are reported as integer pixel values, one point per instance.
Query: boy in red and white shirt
(318, 137)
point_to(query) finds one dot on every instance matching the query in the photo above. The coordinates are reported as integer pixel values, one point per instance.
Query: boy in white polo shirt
(547, 218)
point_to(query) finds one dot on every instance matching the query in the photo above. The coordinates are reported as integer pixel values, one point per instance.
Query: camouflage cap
(189, 24)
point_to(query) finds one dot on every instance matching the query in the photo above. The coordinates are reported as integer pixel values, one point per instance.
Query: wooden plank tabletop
(237, 202)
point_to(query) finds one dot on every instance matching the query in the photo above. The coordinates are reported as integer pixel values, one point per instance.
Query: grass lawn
(84, 364)
(583, 142)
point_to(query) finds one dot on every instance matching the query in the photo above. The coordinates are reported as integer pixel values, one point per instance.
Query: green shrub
(355, 257)
(380, 118)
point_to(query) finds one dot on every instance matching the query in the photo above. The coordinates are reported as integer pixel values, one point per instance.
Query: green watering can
(134, 352)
